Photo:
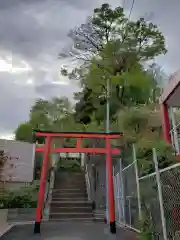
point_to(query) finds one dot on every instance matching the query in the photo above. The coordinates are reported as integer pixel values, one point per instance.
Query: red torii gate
(48, 148)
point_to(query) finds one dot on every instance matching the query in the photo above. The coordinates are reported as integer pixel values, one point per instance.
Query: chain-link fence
(126, 196)
(150, 208)
(126, 200)
(170, 181)
(150, 203)
(95, 165)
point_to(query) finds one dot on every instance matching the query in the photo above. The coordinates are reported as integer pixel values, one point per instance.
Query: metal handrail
(88, 185)
(48, 190)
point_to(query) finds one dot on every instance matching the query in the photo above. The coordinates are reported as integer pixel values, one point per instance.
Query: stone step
(62, 190)
(70, 174)
(95, 219)
(72, 220)
(71, 209)
(66, 178)
(99, 215)
(69, 192)
(69, 195)
(82, 180)
(71, 204)
(74, 199)
(64, 215)
(70, 179)
(70, 186)
(65, 184)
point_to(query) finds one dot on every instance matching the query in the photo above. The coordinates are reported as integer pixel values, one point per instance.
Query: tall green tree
(127, 88)
(49, 115)
(113, 47)
(107, 24)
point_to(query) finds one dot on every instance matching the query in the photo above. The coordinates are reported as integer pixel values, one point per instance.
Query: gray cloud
(51, 90)
(14, 105)
(166, 15)
(32, 32)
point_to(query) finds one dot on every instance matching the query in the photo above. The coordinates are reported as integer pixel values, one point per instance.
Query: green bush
(165, 154)
(25, 197)
(69, 166)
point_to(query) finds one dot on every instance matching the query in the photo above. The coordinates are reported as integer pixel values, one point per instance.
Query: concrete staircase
(69, 198)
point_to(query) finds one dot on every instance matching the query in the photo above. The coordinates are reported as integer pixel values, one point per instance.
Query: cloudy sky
(33, 32)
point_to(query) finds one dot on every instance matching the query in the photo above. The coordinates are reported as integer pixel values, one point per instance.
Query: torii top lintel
(111, 135)
(79, 136)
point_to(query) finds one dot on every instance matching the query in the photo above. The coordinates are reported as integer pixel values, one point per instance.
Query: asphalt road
(67, 231)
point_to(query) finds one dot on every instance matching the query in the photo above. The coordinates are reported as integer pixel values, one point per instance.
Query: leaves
(140, 126)
(112, 48)
(25, 197)
(165, 154)
(24, 132)
(45, 115)
(110, 25)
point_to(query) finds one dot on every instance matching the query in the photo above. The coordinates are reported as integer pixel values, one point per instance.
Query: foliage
(24, 132)
(146, 229)
(165, 154)
(45, 115)
(3, 163)
(118, 49)
(138, 122)
(112, 49)
(48, 114)
(69, 165)
(107, 24)
(129, 88)
(159, 76)
(25, 197)
(3, 159)
(38, 165)
(140, 125)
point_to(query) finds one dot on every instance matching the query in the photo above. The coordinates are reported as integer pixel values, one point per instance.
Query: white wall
(20, 164)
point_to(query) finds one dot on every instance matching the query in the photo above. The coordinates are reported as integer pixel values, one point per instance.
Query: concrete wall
(20, 164)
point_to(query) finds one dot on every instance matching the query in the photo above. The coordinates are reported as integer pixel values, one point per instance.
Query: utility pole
(107, 131)
(108, 107)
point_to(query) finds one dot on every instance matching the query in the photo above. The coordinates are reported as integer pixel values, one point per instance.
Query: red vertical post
(165, 123)
(111, 204)
(42, 186)
(78, 143)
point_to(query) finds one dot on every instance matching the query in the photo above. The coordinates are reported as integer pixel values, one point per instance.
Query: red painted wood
(110, 182)
(81, 150)
(78, 143)
(43, 180)
(47, 148)
(165, 123)
(78, 135)
(172, 86)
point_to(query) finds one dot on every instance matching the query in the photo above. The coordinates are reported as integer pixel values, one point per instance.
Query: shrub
(69, 166)
(165, 155)
(25, 197)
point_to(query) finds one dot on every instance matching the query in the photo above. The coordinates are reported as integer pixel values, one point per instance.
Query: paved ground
(3, 227)
(67, 231)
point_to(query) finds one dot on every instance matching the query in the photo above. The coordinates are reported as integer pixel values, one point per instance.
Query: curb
(13, 225)
(6, 230)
